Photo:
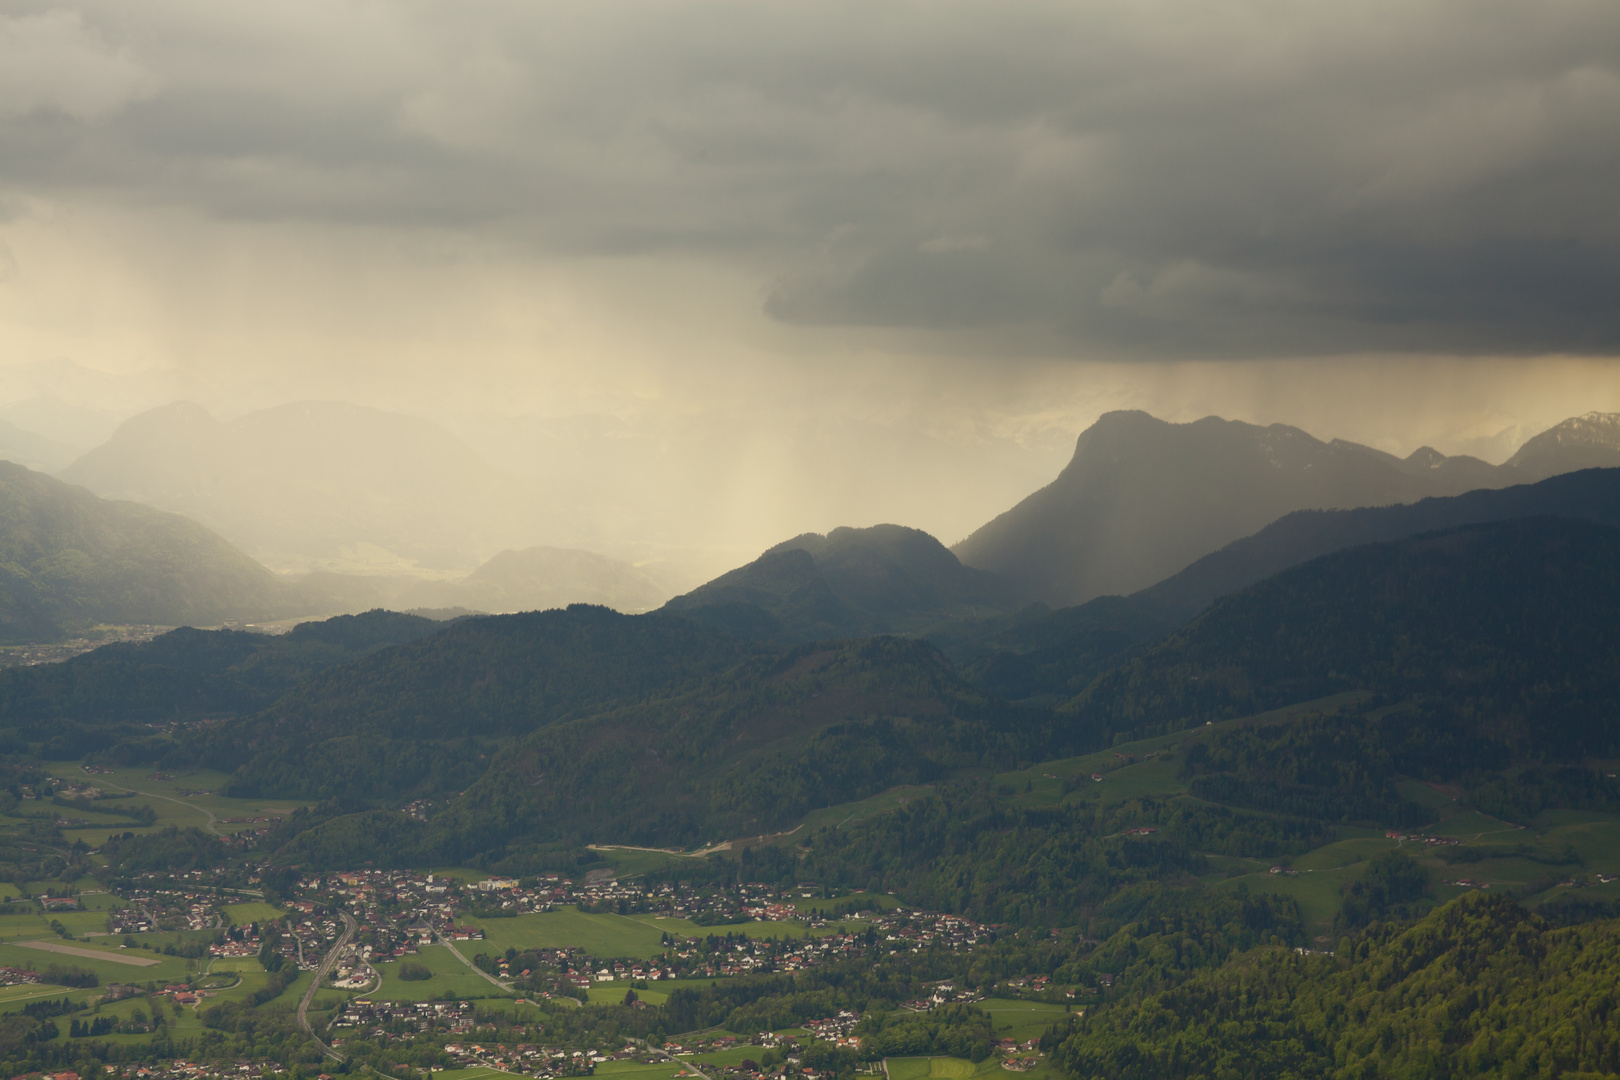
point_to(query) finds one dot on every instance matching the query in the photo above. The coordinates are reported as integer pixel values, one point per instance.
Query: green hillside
(1478, 988)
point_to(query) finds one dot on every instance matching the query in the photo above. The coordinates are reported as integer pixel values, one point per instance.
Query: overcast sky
(981, 222)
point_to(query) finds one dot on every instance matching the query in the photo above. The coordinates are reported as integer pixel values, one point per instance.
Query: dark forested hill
(187, 674)
(443, 702)
(586, 724)
(1042, 655)
(70, 560)
(821, 725)
(751, 751)
(1587, 495)
(1518, 620)
(848, 583)
(1143, 498)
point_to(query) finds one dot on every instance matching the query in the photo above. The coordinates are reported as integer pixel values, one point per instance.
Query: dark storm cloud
(1153, 180)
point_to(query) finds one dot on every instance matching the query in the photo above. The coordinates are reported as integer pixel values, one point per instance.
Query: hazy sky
(962, 225)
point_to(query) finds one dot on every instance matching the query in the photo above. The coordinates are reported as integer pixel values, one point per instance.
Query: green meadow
(449, 975)
(1023, 1020)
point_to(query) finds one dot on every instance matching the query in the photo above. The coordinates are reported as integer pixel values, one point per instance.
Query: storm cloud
(1143, 180)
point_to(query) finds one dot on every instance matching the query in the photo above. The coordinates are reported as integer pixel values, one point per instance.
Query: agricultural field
(755, 930)
(449, 974)
(634, 1070)
(613, 994)
(730, 1058)
(636, 937)
(246, 914)
(948, 1068)
(1023, 1020)
(599, 935)
(183, 799)
(109, 964)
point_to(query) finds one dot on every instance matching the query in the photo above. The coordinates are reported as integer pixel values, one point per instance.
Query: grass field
(948, 1068)
(932, 1068)
(449, 974)
(599, 935)
(244, 914)
(613, 994)
(167, 968)
(773, 930)
(730, 1059)
(634, 1070)
(637, 937)
(1021, 1020)
(167, 802)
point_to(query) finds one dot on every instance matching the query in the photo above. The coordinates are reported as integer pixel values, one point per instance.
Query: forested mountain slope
(1520, 619)
(189, 674)
(378, 728)
(1478, 988)
(1056, 654)
(1586, 495)
(821, 725)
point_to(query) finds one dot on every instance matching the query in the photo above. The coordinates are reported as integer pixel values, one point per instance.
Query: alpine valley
(1231, 753)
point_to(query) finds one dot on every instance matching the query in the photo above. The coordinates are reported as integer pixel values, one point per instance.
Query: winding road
(350, 928)
(169, 798)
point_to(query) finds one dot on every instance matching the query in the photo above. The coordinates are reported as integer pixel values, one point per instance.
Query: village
(366, 929)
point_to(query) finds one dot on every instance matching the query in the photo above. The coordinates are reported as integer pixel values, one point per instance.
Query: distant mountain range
(316, 485)
(69, 560)
(848, 583)
(34, 451)
(1143, 498)
(538, 578)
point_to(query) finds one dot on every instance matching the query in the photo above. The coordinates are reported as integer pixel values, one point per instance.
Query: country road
(167, 798)
(504, 986)
(350, 927)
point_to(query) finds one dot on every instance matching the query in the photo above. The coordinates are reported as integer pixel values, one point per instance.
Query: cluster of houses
(528, 1059)
(941, 993)
(154, 909)
(178, 1069)
(378, 1016)
(1421, 838)
(839, 1030)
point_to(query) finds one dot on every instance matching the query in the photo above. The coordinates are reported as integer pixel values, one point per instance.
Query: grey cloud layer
(1142, 179)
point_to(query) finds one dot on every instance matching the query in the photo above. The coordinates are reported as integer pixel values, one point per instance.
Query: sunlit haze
(702, 276)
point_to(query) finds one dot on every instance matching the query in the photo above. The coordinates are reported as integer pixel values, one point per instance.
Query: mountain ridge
(1142, 498)
(849, 582)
